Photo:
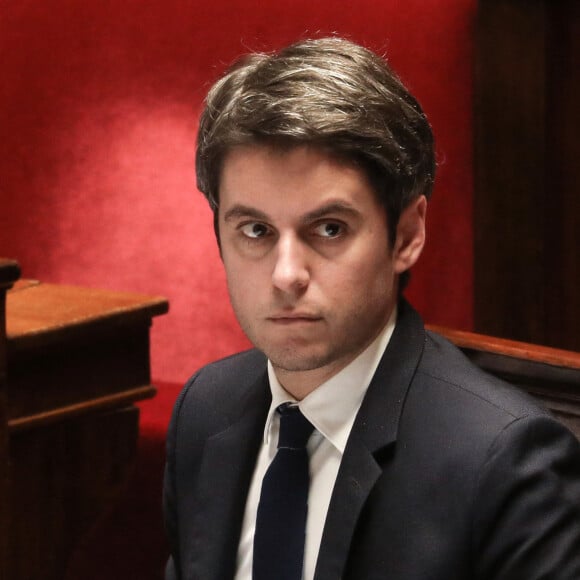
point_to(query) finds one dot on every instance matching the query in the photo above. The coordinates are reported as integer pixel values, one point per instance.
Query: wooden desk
(73, 361)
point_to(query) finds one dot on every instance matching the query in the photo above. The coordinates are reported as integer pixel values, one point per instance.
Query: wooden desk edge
(31, 326)
(510, 348)
(113, 401)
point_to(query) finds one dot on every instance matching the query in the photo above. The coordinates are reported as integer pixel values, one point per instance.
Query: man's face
(304, 241)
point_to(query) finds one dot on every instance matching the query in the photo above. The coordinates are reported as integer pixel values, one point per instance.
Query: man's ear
(410, 235)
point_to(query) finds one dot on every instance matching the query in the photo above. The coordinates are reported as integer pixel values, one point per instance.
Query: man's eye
(329, 230)
(254, 230)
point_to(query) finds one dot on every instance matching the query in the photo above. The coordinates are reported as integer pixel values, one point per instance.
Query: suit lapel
(225, 474)
(374, 431)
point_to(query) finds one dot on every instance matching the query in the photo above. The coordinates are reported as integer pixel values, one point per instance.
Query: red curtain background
(98, 110)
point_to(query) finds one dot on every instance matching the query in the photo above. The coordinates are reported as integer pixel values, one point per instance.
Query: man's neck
(300, 384)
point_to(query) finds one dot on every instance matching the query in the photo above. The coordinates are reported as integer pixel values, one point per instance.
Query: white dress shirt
(331, 408)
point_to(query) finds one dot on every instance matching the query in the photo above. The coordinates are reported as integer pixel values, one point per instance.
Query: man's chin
(297, 362)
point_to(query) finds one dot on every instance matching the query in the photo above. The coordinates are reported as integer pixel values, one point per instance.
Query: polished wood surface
(75, 360)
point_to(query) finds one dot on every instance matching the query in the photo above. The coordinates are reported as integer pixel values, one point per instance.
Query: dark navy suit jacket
(448, 474)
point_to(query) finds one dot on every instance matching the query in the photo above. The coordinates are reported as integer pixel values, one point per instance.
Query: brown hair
(329, 93)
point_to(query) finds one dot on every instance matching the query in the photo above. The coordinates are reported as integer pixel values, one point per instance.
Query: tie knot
(295, 428)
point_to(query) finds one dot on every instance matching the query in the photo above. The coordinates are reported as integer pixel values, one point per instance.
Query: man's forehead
(262, 181)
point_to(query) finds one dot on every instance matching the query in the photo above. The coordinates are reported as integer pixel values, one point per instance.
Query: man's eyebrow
(332, 208)
(244, 211)
(335, 207)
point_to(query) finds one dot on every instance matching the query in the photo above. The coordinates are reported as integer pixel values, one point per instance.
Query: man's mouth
(294, 318)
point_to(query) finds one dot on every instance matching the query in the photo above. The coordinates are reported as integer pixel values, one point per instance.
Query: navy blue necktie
(281, 519)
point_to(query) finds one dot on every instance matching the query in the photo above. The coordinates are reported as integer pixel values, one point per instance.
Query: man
(318, 164)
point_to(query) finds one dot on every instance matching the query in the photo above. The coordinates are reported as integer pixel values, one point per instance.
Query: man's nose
(291, 272)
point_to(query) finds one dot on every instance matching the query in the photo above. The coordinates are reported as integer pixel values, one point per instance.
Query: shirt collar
(332, 407)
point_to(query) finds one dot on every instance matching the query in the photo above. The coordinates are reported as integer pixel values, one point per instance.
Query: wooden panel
(67, 474)
(72, 372)
(563, 177)
(527, 174)
(9, 273)
(509, 169)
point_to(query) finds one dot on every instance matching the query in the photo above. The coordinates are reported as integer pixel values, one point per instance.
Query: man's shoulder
(222, 390)
(459, 380)
(239, 366)
(226, 379)
(457, 415)
(229, 375)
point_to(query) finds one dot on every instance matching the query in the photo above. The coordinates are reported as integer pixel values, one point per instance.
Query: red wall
(98, 107)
